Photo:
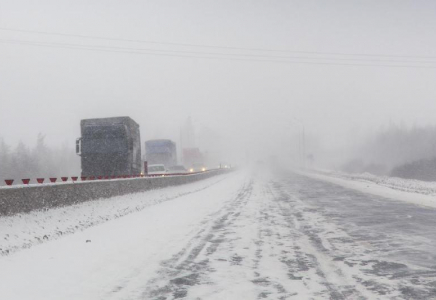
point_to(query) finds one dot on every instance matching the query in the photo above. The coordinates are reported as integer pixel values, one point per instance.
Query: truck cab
(109, 147)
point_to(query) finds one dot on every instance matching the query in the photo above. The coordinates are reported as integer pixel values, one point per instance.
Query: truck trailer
(109, 147)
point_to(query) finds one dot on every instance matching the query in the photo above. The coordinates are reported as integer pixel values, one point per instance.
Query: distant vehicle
(177, 170)
(109, 147)
(191, 156)
(161, 152)
(193, 159)
(197, 167)
(157, 169)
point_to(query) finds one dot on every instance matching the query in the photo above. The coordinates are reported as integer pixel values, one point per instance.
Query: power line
(205, 56)
(213, 46)
(211, 53)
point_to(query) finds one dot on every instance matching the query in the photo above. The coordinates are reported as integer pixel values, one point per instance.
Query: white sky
(49, 89)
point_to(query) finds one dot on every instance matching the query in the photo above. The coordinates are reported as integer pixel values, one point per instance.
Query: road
(275, 235)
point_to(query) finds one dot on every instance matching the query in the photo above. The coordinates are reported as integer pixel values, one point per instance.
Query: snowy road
(238, 236)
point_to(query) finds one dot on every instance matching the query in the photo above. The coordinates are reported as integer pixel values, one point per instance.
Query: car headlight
(191, 170)
(203, 169)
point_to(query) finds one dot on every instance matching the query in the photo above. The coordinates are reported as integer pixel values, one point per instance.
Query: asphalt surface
(286, 236)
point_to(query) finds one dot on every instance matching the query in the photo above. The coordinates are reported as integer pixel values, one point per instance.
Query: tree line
(40, 161)
(394, 150)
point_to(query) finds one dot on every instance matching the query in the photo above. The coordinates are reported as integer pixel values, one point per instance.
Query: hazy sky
(48, 88)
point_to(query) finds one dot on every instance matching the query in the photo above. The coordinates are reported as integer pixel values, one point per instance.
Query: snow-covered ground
(235, 236)
(26, 230)
(409, 190)
(401, 184)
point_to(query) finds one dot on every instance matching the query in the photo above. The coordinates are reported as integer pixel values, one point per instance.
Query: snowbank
(26, 230)
(409, 190)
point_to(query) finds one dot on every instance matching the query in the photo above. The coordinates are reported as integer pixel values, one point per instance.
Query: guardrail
(27, 181)
(24, 199)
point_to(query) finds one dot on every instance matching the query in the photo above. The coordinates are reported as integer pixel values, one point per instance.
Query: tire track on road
(361, 253)
(186, 269)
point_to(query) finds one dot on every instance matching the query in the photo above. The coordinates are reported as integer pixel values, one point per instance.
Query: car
(157, 169)
(197, 167)
(179, 169)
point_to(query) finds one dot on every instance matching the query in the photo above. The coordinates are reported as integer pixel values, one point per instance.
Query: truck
(161, 152)
(109, 147)
(193, 160)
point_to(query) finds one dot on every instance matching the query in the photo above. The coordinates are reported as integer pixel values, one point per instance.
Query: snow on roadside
(116, 259)
(26, 230)
(413, 191)
(406, 185)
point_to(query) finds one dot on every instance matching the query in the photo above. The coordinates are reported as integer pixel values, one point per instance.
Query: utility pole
(292, 157)
(302, 143)
(304, 147)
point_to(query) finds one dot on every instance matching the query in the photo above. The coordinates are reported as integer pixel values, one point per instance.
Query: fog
(249, 74)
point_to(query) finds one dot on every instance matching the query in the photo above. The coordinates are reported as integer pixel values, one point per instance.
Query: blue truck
(161, 152)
